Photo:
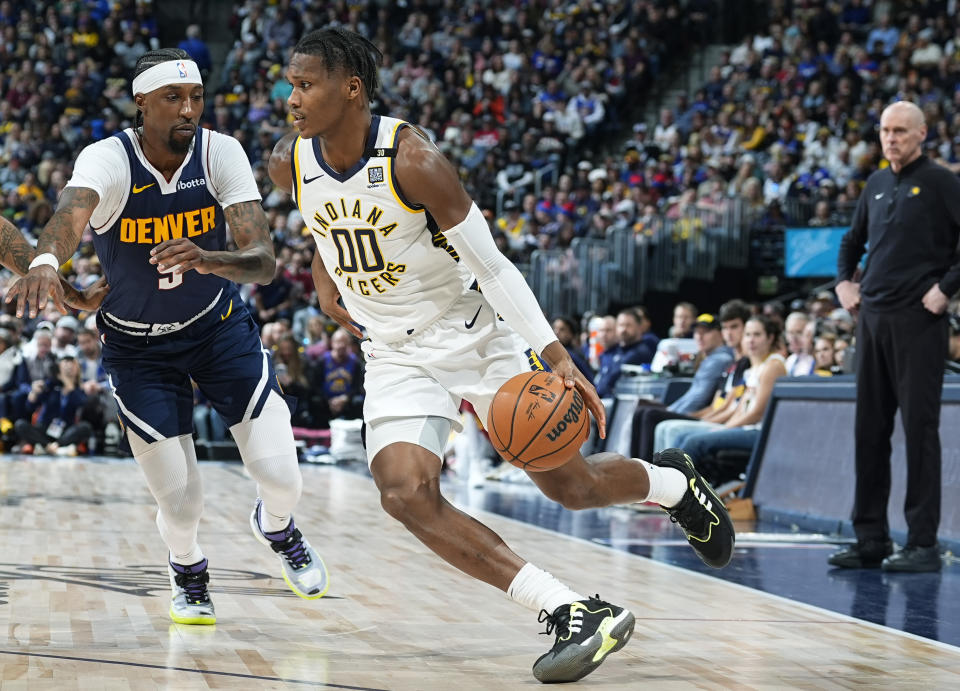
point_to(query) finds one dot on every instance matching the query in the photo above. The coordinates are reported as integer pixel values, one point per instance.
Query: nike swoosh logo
(877, 196)
(229, 310)
(473, 321)
(307, 181)
(138, 190)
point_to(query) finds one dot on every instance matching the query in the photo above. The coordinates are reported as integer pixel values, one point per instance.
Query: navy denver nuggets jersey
(139, 292)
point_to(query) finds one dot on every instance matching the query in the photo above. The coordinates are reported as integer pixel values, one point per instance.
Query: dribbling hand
(40, 284)
(563, 366)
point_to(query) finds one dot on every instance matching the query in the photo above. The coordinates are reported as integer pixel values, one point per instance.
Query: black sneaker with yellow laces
(700, 513)
(587, 631)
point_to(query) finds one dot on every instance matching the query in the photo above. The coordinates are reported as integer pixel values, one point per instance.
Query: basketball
(536, 423)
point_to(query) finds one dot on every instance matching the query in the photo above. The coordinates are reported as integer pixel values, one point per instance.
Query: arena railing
(657, 254)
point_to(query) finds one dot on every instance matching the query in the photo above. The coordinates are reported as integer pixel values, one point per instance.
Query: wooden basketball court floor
(84, 595)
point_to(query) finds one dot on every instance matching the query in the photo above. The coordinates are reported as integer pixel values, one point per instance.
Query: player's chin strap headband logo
(166, 73)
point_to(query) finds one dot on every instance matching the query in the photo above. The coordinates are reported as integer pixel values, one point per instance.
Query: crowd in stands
(520, 98)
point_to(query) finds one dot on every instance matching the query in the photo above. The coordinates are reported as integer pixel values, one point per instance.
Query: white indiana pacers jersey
(393, 266)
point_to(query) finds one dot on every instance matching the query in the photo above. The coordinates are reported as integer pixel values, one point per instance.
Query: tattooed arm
(15, 253)
(60, 238)
(252, 262)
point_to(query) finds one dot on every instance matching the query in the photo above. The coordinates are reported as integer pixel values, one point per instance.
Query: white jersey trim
(104, 167)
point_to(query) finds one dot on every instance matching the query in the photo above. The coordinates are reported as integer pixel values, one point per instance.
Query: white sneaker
(303, 569)
(190, 602)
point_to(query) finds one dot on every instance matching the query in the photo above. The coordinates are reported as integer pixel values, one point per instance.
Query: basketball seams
(536, 435)
(575, 439)
(513, 416)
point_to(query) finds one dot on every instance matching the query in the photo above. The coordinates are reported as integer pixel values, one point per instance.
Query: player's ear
(354, 87)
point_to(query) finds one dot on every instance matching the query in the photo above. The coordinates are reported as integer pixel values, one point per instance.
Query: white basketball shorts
(466, 354)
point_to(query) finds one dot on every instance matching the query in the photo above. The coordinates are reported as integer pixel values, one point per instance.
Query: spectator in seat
(338, 381)
(57, 402)
(683, 320)
(291, 368)
(713, 360)
(631, 349)
(568, 334)
(824, 355)
(800, 361)
(742, 430)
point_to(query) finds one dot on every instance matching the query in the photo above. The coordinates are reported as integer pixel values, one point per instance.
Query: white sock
(667, 485)
(194, 556)
(536, 589)
(270, 523)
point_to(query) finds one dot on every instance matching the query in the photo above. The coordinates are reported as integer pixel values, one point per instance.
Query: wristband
(45, 259)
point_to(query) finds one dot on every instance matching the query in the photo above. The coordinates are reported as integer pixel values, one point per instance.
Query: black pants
(71, 435)
(645, 419)
(901, 355)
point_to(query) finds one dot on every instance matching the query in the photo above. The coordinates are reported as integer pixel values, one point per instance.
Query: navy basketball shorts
(151, 376)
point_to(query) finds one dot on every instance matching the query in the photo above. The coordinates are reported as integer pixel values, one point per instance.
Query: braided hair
(341, 49)
(150, 59)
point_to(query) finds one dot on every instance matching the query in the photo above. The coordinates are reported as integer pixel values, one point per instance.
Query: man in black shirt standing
(910, 215)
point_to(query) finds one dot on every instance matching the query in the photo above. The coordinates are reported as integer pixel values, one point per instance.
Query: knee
(412, 502)
(277, 476)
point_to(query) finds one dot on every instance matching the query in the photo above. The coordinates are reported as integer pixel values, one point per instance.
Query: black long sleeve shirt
(912, 224)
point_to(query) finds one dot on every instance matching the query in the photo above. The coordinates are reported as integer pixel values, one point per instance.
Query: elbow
(266, 270)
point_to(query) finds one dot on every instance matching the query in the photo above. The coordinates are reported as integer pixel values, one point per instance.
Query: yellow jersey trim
(296, 170)
(389, 172)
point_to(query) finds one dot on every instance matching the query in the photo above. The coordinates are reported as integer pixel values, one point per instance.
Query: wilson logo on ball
(571, 417)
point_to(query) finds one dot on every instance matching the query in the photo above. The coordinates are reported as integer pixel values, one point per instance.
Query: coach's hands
(562, 365)
(40, 284)
(848, 293)
(935, 300)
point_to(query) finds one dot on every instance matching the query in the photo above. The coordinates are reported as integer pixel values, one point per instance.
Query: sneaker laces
(558, 622)
(692, 521)
(292, 549)
(194, 585)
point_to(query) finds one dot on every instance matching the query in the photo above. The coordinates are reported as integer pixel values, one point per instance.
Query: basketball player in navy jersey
(157, 198)
(401, 242)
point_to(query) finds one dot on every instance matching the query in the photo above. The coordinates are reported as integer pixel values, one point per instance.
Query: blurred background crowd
(557, 115)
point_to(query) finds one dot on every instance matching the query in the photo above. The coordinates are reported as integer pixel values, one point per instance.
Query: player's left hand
(563, 366)
(936, 300)
(90, 298)
(179, 256)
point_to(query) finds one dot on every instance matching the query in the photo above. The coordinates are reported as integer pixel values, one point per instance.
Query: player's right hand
(35, 288)
(563, 366)
(328, 298)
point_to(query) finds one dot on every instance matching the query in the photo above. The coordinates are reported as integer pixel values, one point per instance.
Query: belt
(157, 329)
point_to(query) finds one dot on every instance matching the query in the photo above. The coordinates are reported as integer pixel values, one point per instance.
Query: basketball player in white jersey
(402, 243)
(158, 197)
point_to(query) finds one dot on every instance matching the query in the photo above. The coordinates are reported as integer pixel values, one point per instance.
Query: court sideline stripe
(239, 675)
(473, 511)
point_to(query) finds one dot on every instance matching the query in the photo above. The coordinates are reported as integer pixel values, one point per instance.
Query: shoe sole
(577, 661)
(195, 621)
(283, 571)
(868, 564)
(722, 515)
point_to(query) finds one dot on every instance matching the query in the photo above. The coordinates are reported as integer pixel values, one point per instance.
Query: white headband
(165, 73)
